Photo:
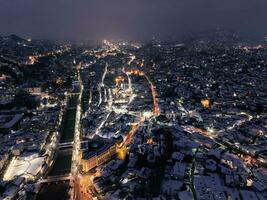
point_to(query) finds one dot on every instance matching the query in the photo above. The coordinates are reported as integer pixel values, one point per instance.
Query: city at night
(133, 100)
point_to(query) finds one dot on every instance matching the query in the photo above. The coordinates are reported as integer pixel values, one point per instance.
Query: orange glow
(130, 135)
(248, 160)
(59, 81)
(84, 187)
(199, 130)
(113, 49)
(122, 149)
(260, 133)
(150, 141)
(142, 63)
(205, 103)
(32, 60)
(122, 152)
(155, 99)
(119, 80)
(135, 72)
(229, 164)
(35, 58)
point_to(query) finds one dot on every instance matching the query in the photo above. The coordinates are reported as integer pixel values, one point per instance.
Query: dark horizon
(138, 20)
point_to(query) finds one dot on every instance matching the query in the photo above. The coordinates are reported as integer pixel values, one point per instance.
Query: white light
(124, 181)
(210, 129)
(147, 114)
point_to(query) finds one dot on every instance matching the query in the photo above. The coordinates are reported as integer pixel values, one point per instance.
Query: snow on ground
(26, 166)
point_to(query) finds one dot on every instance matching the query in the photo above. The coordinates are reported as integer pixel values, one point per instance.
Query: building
(97, 151)
(3, 160)
(34, 90)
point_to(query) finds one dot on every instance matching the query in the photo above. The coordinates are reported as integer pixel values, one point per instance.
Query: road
(83, 185)
(76, 144)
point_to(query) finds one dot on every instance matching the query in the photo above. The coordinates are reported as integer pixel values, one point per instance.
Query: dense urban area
(117, 119)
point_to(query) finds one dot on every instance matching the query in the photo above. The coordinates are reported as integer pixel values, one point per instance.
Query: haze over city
(139, 19)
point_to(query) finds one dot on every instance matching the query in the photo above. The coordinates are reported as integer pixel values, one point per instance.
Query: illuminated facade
(97, 152)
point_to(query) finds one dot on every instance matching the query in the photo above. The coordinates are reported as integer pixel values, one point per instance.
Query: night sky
(129, 19)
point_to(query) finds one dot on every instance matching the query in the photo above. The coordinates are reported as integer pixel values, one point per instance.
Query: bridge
(65, 145)
(49, 179)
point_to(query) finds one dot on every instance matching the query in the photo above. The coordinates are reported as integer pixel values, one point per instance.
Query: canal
(68, 126)
(62, 164)
(57, 191)
(63, 157)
